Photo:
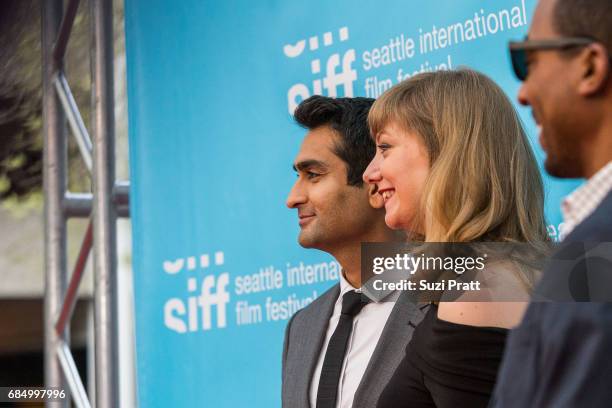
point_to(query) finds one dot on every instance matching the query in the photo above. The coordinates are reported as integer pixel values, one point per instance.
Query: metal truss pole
(109, 200)
(104, 211)
(54, 186)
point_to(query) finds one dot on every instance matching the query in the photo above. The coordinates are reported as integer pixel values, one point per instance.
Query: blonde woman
(453, 164)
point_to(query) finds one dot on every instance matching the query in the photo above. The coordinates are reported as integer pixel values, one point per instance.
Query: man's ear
(595, 66)
(376, 200)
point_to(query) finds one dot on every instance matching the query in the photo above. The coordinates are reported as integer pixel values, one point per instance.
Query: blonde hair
(484, 183)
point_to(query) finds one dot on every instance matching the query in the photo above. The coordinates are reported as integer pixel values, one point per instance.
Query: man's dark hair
(585, 18)
(349, 118)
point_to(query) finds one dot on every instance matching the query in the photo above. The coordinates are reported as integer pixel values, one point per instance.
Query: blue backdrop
(211, 85)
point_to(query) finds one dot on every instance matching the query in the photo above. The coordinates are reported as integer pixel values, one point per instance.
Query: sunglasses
(519, 49)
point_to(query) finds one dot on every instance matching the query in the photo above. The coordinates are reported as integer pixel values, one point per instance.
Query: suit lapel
(390, 349)
(317, 324)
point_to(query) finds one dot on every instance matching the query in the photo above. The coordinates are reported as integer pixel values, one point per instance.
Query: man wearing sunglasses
(559, 356)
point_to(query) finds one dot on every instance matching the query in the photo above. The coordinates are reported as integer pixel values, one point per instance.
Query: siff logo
(339, 71)
(196, 314)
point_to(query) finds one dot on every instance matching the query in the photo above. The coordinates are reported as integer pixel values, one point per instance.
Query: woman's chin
(392, 221)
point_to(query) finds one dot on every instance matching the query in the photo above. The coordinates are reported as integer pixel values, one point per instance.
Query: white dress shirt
(577, 206)
(367, 328)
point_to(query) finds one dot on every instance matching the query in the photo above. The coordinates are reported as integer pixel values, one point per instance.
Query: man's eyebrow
(309, 164)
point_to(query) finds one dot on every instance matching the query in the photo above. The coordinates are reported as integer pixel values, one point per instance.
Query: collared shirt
(367, 328)
(577, 206)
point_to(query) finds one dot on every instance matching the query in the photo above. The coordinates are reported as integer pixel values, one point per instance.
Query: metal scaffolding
(108, 201)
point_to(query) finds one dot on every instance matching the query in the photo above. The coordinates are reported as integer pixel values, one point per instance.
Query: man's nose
(371, 174)
(523, 96)
(296, 196)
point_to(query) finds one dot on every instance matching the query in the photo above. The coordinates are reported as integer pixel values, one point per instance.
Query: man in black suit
(559, 356)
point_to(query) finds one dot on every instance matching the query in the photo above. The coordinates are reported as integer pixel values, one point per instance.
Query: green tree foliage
(21, 99)
(20, 109)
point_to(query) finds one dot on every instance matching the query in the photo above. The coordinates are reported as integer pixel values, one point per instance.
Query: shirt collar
(345, 286)
(577, 206)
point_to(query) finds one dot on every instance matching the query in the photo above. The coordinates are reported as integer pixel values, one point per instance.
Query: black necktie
(327, 393)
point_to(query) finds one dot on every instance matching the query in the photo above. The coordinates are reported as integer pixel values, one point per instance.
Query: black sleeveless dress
(446, 365)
